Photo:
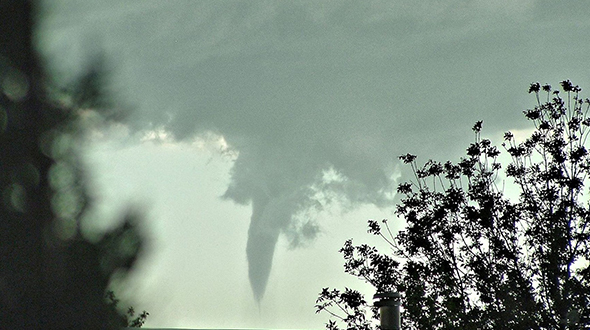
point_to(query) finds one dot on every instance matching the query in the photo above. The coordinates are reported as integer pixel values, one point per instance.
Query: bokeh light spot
(60, 145)
(15, 85)
(66, 203)
(61, 176)
(46, 141)
(15, 197)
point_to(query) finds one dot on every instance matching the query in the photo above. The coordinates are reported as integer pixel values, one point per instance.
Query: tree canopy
(471, 256)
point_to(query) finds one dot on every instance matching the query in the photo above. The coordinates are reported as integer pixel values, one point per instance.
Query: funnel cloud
(316, 99)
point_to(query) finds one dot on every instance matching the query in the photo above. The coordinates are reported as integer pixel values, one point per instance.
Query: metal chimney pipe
(389, 304)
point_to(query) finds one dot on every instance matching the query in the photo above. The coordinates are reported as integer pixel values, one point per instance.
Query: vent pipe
(389, 304)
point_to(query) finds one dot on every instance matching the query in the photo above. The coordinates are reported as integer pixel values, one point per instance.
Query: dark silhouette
(129, 319)
(471, 257)
(51, 275)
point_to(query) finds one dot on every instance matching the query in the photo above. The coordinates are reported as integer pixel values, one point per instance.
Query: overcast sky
(271, 129)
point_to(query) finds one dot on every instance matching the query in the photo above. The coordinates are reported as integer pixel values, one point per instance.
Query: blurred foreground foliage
(52, 274)
(470, 257)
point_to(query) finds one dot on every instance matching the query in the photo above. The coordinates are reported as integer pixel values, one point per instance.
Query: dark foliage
(51, 275)
(127, 320)
(472, 258)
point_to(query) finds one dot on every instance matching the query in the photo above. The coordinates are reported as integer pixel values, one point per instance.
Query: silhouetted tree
(472, 258)
(51, 275)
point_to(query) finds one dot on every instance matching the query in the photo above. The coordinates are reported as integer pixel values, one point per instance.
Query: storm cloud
(317, 99)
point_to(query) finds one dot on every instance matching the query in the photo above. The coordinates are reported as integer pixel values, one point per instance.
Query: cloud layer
(303, 89)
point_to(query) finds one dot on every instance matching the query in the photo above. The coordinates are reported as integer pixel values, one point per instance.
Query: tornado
(262, 239)
(271, 216)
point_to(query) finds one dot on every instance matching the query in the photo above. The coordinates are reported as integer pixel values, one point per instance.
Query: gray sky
(280, 123)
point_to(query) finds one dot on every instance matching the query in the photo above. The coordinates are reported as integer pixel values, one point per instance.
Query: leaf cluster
(128, 319)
